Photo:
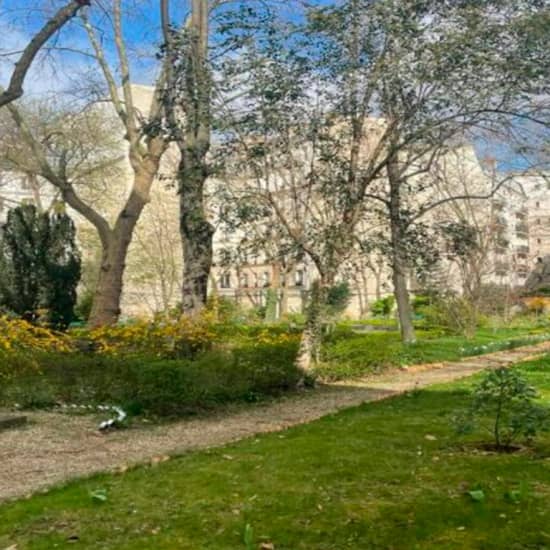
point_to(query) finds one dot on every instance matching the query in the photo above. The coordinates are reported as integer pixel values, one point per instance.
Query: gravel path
(54, 448)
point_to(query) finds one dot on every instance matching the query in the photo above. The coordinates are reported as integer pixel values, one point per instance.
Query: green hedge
(153, 386)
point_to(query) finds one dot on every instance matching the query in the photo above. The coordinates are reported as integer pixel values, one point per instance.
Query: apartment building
(513, 229)
(515, 224)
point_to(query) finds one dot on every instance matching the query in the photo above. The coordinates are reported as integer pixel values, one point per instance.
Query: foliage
(40, 266)
(163, 337)
(460, 237)
(506, 400)
(536, 305)
(453, 313)
(18, 335)
(20, 341)
(383, 307)
(353, 478)
(420, 302)
(346, 354)
(271, 300)
(165, 387)
(84, 304)
(338, 298)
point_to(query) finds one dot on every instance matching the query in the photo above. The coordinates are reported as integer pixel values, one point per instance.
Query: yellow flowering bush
(20, 335)
(183, 337)
(267, 337)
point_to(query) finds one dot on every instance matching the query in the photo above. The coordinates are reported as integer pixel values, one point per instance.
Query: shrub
(383, 307)
(164, 337)
(419, 303)
(17, 335)
(453, 313)
(155, 386)
(505, 400)
(40, 265)
(83, 307)
(338, 298)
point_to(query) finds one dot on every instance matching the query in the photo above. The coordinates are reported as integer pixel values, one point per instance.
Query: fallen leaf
(267, 546)
(430, 437)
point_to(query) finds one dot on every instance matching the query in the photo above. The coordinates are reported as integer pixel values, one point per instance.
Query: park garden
(274, 275)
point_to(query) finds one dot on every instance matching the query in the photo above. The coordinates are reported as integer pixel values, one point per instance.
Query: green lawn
(388, 475)
(347, 354)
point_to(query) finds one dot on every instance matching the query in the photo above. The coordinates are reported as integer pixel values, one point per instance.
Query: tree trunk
(283, 301)
(194, 142)
(398, 235)
(106, 304)
(404, 309)
(115, 244)
(309, 352)
(197, 234)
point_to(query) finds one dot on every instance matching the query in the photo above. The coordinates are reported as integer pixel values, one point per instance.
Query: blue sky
(61, 70)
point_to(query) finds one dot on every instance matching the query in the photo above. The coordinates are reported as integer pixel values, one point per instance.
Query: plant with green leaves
(40, 265)
(504, 403)
(383, 307)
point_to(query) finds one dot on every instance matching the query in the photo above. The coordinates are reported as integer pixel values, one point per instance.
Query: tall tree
(188, 103)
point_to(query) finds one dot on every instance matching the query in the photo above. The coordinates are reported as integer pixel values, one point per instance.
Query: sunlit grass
(383, 475)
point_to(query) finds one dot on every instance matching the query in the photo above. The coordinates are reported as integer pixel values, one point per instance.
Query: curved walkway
(54, 448)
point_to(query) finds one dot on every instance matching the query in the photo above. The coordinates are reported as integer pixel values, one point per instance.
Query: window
(537, 204)
(539, 241)
(299, 278)
(265, 278)
(225, 280)
(244, 280)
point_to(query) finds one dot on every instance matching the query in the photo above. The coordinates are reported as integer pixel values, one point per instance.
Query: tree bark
(197, 235)
(309, 352)
(115, 244)
(193, 141)
(397, 229)
(107, 297)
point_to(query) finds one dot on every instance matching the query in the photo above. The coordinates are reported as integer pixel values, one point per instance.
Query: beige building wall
(154, 267)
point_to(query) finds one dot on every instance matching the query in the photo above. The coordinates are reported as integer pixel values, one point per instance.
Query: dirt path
(54, 448)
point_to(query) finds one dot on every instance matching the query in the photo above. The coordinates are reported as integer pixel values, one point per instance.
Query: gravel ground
(56, 447)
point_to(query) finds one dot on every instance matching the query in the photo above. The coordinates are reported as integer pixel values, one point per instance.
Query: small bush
(154, 386)
(164, 337)
(338, 298)
(455, 314)
(504, 404)
(383, 307)
(18, 335)
(419, 303)
(83, 307)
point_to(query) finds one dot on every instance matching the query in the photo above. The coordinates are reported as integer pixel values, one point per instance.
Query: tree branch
(15, 87)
